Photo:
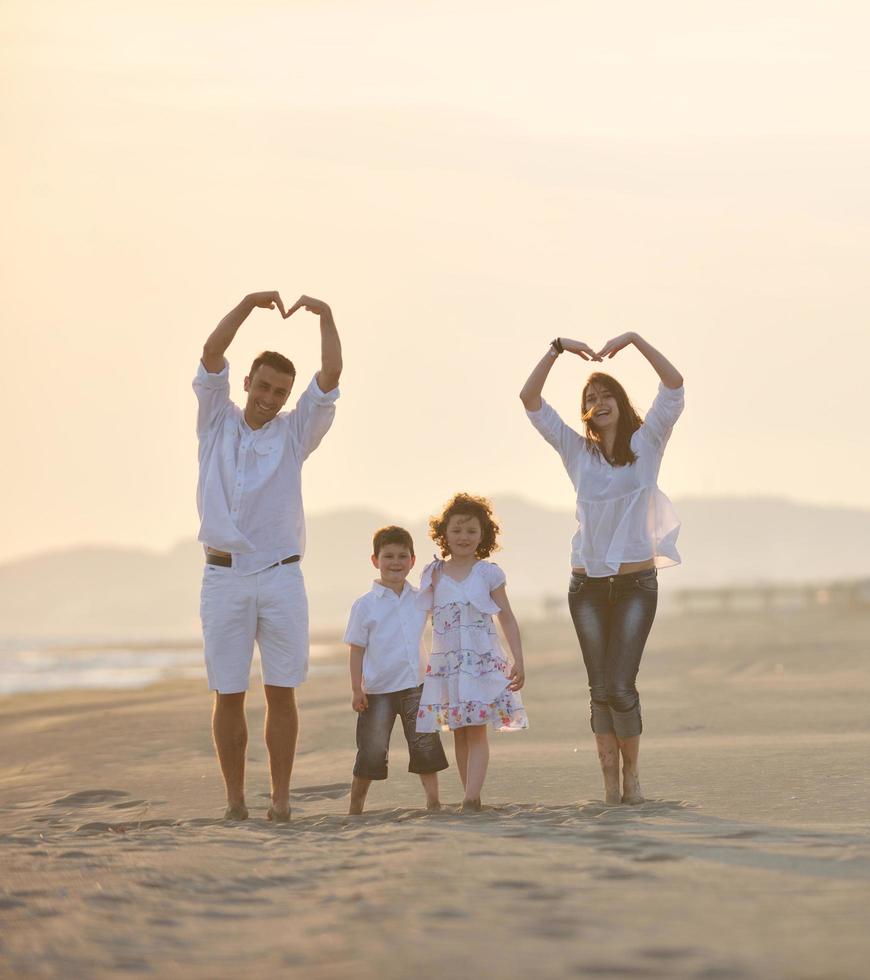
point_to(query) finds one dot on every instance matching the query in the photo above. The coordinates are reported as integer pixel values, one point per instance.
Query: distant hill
(103, 592)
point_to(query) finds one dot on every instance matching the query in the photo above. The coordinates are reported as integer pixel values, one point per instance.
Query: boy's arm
(511, 629)
(222, 336)
(359, 701)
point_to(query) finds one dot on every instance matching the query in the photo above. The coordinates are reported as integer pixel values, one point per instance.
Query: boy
(386, 671)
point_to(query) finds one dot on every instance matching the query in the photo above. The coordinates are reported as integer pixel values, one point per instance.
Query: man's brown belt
(225, 561)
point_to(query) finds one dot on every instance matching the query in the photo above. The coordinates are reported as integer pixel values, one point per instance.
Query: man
(252, 526)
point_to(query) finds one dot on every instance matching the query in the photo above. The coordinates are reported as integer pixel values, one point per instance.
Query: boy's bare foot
(237, 811)
(631, 791)
(471, 806)
(359, 788)
(278, 814)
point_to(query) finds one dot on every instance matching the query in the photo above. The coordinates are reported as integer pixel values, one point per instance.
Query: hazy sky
(462, 182)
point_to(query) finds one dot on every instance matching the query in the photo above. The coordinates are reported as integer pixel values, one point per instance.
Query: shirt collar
(381, 590)
(245, 429)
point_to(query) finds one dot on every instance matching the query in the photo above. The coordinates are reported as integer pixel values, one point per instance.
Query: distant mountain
(103, 592)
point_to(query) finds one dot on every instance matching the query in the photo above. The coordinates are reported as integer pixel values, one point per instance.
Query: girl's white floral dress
(466, 682)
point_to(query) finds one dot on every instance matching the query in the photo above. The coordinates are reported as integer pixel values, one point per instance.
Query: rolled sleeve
(561, 437)
(213, 395)
(663, 414)
(496, 577)
(312, 417)
(357, 632)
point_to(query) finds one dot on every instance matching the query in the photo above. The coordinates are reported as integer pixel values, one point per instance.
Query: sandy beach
(750, 859)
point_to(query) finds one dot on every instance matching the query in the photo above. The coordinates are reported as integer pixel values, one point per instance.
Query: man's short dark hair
(273, 360)
(392, 535)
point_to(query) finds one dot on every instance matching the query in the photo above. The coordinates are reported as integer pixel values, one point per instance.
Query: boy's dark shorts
(373, 729)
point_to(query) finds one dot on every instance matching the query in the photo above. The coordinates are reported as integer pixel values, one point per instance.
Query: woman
(628, 529)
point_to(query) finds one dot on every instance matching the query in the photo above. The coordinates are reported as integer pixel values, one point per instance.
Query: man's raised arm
(222, 336)
(330, 344)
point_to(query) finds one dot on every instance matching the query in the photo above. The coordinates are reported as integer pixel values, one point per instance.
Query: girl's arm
(511, 629)
(670, 376)
(530, 396)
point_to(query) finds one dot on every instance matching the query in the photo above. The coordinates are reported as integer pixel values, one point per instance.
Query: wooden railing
(844, 595)
(854, 594)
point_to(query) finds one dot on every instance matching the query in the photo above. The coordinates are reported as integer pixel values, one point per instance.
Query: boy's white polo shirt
(390, 628)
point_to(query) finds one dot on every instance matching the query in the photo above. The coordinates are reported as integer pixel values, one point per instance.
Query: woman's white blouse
(622, 514)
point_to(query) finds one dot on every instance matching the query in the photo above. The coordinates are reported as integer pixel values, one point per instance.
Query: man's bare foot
(631, 791)
(611, 785)
(471, 806)
(278, 814)
(237, 811)
(433, 806)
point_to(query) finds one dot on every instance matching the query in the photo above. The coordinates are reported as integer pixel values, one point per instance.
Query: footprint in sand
(90, 797)
(617, 874)
(308, 794)
(100, 827)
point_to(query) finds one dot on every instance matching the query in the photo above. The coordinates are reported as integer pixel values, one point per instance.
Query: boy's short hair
(273, 360)
(392, 534)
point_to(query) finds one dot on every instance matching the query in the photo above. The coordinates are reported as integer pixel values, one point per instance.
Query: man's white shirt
(249, 494)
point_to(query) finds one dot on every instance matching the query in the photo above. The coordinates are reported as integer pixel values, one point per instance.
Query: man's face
(268, 390)
(394, 562)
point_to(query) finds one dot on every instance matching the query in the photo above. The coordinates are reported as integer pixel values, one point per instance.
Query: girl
(627, 530)
(469, 681)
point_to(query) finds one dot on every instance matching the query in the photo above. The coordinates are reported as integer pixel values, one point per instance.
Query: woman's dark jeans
(613, 617)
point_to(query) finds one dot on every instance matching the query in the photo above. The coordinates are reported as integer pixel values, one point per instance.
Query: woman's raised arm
(670, 376)
(530, 396)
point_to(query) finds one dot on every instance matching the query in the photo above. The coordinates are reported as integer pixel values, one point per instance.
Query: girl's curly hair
(465, 505)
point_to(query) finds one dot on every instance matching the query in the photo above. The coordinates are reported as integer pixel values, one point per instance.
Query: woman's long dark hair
(629, 421)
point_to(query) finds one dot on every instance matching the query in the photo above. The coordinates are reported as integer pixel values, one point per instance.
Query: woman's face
(602, 404)
(463, 534)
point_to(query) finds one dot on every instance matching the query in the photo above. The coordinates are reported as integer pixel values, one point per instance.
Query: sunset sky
(462, 182)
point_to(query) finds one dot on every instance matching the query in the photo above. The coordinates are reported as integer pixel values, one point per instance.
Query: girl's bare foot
(236, 811)
(631, 791)
(278, 814)
(471, 806)
(433, 806)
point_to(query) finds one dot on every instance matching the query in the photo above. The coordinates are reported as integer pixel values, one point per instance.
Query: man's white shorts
(270, 607)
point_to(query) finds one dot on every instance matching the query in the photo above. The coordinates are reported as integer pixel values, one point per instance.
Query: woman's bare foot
(236, 811)
(631, 791)
(433, 806)
(471, 806)
(608, 757)
(278, 814)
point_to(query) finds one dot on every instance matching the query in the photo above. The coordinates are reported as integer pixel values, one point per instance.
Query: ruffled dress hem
(505, 714)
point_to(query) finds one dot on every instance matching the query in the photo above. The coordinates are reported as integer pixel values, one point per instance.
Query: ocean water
(59, 665)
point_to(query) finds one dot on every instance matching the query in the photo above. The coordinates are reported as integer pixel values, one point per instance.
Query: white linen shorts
(270, 607)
